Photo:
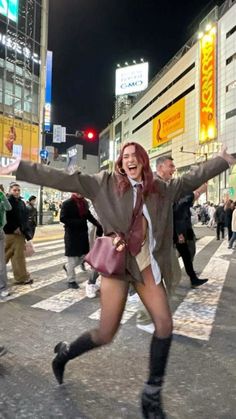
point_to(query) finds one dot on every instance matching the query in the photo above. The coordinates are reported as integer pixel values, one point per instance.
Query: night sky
(89, 37)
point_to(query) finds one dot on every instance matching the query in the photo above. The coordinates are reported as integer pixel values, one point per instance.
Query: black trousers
(230, 233)
(185, 254)
(220, 228)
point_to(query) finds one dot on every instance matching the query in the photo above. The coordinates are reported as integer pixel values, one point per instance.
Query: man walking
(182, 219)
(74, 215)
(17, 231)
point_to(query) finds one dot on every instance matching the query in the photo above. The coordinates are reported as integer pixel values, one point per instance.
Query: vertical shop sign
(208, 129)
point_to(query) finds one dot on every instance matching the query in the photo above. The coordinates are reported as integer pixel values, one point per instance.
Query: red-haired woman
(148, 261)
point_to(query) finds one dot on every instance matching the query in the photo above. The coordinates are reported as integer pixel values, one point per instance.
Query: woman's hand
(228, 157)
(10, 168)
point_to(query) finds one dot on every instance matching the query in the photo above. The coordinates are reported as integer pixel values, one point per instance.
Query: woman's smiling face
(132, 167)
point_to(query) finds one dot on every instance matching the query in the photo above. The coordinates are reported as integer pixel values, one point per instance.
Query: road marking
(200, 244)
(52, 242)
(62, 300)
(45, 255)
(43, 248)
(19, 290)
(45, 265)
(195, 316)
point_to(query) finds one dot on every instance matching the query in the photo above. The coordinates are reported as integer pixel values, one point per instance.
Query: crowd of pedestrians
(221, 217)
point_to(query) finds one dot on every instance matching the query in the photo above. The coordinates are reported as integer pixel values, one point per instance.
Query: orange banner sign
(169, 123)
(208, 129)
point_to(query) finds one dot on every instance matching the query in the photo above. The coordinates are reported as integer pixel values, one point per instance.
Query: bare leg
(113, 298)
(155, 300)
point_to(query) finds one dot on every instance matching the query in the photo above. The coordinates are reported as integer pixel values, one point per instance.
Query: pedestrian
(220, 221)
(184, 237)
(233, 226)
(211, 213)
(4, 206)
(32, 214)
(17, 231)
(74, 215)
(117, 197)
(228, 208)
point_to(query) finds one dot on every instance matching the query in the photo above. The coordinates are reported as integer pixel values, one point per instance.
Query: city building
(23, 49)
(189, 109)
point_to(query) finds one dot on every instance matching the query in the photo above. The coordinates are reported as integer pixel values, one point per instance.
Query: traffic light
(89, 135)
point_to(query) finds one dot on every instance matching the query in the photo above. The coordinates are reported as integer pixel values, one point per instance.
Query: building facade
(23, 45)
(189, 109)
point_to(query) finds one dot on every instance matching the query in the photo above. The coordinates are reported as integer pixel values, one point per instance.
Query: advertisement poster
(169, 123)
(17, 133)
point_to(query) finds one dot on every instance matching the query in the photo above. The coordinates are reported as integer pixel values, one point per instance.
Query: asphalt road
(106, 383)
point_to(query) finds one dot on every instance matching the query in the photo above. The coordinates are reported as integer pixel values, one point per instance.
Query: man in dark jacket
(183, 231)
(75, 214)
(184, 235)
(17, 231)
(33, 214)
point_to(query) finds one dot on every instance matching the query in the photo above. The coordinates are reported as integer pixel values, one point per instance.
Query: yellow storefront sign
(15, 132)
(208, 86)
(169, 123)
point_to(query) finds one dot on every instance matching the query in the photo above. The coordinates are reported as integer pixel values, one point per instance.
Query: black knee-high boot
(151, 396)
(66, 352)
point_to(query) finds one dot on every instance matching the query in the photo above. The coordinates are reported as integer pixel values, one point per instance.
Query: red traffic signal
(90, 135)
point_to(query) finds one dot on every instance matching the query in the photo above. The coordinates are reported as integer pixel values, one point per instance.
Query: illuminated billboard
(208, 129)
(131, 79)
(169, 123)
(15, 133)
(48, 92)
(9, 8)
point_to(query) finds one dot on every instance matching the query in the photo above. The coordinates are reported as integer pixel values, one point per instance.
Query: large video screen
(9, 8)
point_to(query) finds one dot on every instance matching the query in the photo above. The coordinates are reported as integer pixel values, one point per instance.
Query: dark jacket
(76, 228)
(182, 218)
(17, 218)
(32, 215)
(228, 217)
(220, 215)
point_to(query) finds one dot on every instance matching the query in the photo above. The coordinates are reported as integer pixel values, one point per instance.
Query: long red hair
(123, 183)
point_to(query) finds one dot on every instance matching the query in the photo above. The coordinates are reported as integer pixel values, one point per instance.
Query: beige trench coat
(115, 211)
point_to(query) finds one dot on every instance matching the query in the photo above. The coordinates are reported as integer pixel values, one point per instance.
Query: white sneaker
(149, 328)
(90, 290)
(4, 293)
(133, 298)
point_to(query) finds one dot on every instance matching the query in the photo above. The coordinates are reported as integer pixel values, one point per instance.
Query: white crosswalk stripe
(195, 315)
(51, 242)
(61, 301)
(46, 264)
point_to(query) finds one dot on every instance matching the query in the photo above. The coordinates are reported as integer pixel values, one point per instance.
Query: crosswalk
(194, 317)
